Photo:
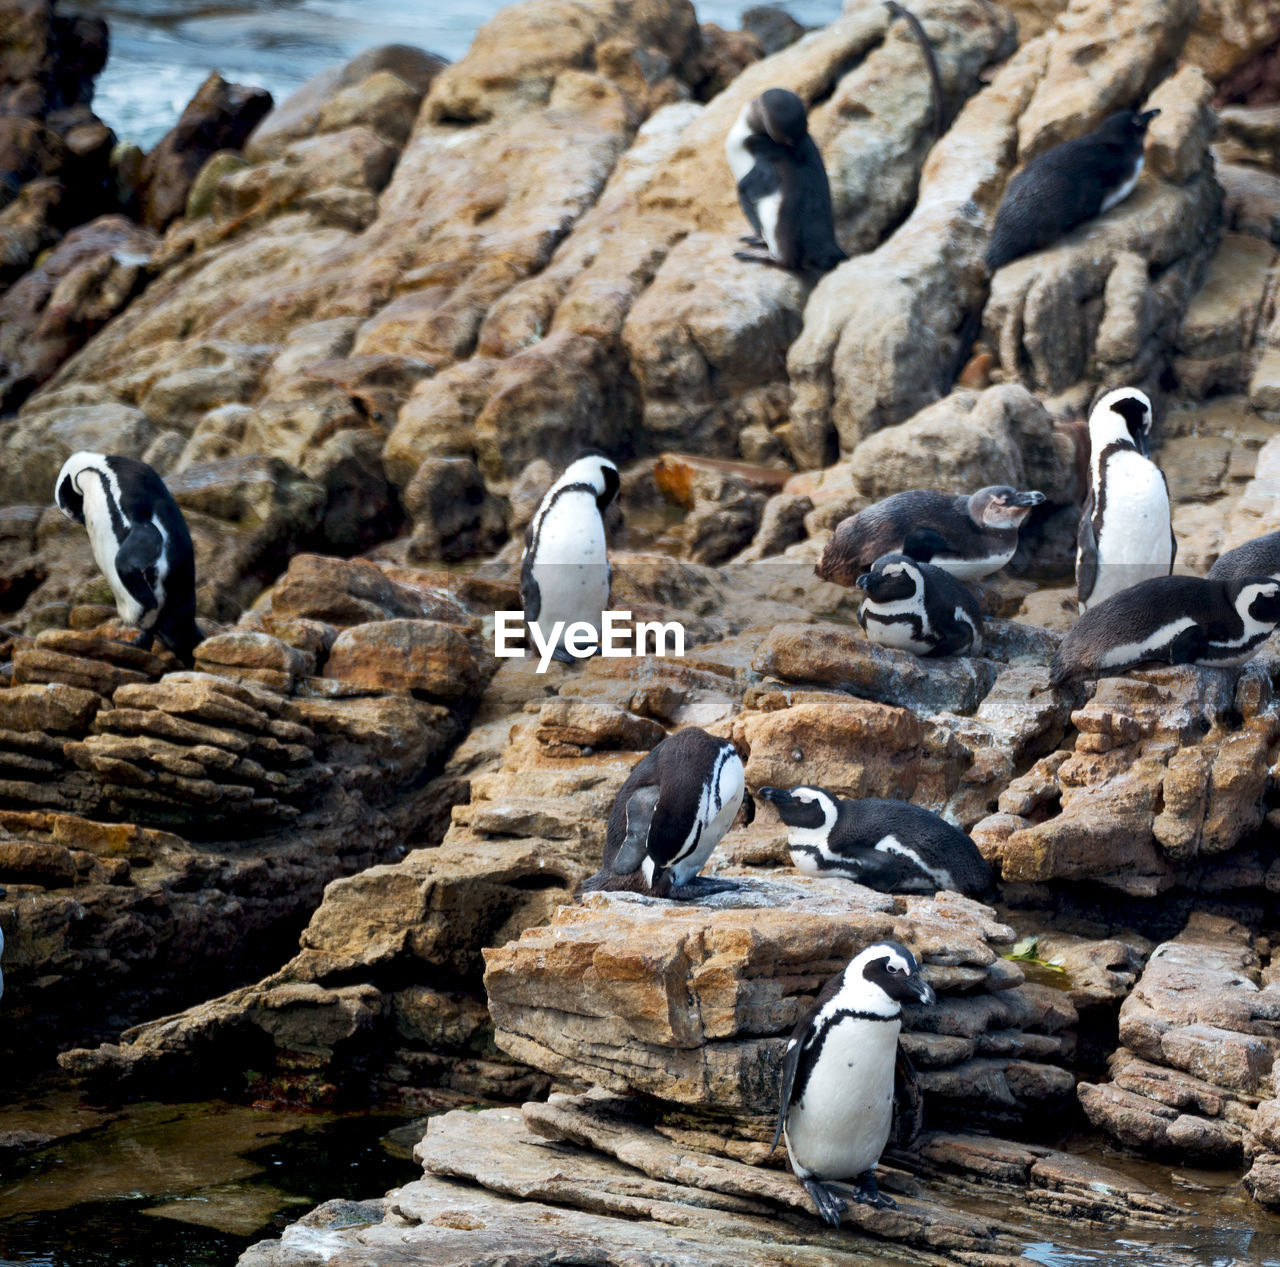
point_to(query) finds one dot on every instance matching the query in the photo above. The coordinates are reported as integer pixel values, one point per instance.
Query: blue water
(161, 50)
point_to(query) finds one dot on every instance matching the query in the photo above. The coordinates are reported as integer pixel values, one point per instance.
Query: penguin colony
(912, 554)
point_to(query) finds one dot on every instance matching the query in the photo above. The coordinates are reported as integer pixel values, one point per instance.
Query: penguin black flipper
(530, 594)
(761, 181)
(908, 1102)
(801, 1037)
(955, 638)
(639, 813)
(921, 544)
(136, 563)
(1189, 646)
(1086, 552)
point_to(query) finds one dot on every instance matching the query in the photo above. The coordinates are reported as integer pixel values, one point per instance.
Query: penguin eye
(893, 967)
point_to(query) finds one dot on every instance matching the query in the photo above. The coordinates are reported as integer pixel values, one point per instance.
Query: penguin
(782, 185)
(669, 815)
(835, 1106)
(140, 543)
(1067, 185)
(892, 846)
(1169, 620)
(1259, 557)
(969, 537)
(1125, 533)
(564, 570)
(919, 608)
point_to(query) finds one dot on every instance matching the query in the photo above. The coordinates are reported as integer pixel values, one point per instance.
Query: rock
(1250, 134)
(1252, 202)
(245, 656)
(568, 725)
(967, 440)
(404, 655)
(454, 516)
(773, 27)
(219, 117)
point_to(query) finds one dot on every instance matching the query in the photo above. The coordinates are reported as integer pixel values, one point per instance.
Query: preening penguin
(892, 846)
(969, 537)
(1067, 185)
(1259, 557)
(669, 815)
(140, 543)
(919, 608)
(782, 184)
(564, 570)
(1125, 533)
(835, 1108)
(1169, 620)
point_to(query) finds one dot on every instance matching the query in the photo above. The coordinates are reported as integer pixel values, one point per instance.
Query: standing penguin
(1259, 557)
(782, 185)
(835, 1110)
(1169, 620)
(970, 537)
(1125, 533)
(1067, 185)
(140, 543)
(892, 846)
(919, 608)
(669, 815)
(564, 570)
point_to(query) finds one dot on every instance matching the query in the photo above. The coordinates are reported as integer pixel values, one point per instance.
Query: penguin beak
(922, 990)
(864, 581)
(1027, 499)
(1146, 116)
(771, 794)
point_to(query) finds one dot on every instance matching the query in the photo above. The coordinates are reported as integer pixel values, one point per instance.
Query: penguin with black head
(1126, 531)
(672, 811)
(1169, 620)
(919, 608)
(564, 570)
(1069, 184)
(140, 543)
(836, 1102)
(782, 185)
(893, 846)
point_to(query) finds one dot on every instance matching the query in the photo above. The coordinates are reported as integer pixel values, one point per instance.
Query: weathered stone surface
(404, 655)
(567, 725)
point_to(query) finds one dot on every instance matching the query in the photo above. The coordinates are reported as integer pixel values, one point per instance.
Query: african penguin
(835, 1108)
(564, 570)
(1259, 557)
(669, 815)
(1125, 534)
(919, 608)
(1169, 620)
(892, 846)
(140, 543)
(782, 185)
(1068, 184)
(970, 537)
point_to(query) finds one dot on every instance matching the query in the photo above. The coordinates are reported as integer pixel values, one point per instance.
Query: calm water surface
(161, 50)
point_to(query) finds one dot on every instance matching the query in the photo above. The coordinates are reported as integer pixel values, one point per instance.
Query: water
(161, 50)
(187, 1185)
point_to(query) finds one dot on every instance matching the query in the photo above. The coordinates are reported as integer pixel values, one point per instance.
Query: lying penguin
(140, 543)
(970, 537)
(1067, 185)
(1169, 620)
(835, 1108)
(892, 846)
(669, 815)
(1125, 534)
(919, 608)
(1259, 557)
(782, 185)
(564, 570)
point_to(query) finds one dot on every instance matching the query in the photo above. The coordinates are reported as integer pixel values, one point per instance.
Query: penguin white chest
(841, 1124)
(717, 808)
(768, 209)
(106, 545)
(892, 624)
(1133, 539)
(1119, 194)
(740, 158)
(570, 563)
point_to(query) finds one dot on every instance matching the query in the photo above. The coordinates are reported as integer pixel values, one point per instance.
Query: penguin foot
(145, 639)
(830, 1207)
(866, 1191)
(770, 260)
(752, 239)
(699, 887)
